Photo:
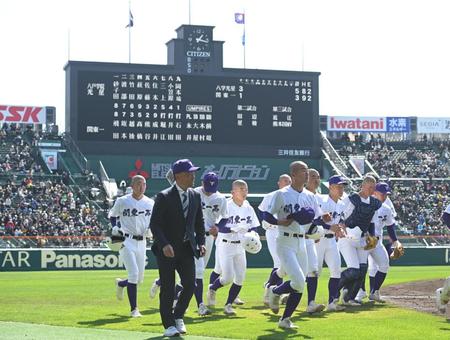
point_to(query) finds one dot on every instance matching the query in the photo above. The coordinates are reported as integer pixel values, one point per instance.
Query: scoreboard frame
(253, 141)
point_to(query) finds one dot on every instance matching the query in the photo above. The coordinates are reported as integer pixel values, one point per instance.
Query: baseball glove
(399, 251)
(371, 242)
(303, 216)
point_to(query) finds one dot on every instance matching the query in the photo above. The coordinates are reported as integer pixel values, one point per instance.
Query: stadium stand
(68, 208)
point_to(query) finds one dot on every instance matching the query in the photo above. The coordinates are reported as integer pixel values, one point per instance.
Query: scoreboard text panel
(157, 112)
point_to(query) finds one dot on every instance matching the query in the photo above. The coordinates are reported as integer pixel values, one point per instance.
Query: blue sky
(377, 58)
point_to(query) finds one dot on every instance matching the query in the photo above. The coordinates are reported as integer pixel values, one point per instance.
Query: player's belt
(134, 237)
(293, 235)
(233, 242)
(329, 236)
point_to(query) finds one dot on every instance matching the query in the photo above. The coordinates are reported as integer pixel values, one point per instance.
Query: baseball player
(134, 211)
(271, 235)
(378, 256)
(313, 267)
(443, 298)
(359, 211)
(443, 294)
(295, 209)
(327, 249)
(230, 252)
(215, 213)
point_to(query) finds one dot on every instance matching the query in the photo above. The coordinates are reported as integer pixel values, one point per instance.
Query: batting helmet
(252, 243)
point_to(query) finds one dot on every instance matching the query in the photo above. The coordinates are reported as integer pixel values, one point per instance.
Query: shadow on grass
(365, 307)
(283, 334)
(211, 317)
(164, 337)
(446, 323)
(116, 318)
(254, 307)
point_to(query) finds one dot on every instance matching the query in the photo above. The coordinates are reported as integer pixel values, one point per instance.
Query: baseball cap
(336, 179)
(183, 165)
(210, 182)
(383, 188)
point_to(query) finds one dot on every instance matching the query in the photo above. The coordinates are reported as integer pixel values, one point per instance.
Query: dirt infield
(418, 295)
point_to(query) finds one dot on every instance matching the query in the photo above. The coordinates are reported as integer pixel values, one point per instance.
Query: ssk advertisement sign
(22, 114)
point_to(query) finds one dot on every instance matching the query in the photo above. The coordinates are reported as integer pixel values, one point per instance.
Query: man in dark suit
(179, 235)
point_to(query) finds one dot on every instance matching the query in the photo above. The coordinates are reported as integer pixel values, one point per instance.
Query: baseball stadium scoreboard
(192, 106)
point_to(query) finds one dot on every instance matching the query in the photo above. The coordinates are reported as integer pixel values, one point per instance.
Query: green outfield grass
(87, 299)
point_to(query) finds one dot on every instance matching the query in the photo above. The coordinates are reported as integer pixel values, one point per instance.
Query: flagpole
(244, 38)
(303, 56)
(129, 33)
(68, 44)
(189, 12)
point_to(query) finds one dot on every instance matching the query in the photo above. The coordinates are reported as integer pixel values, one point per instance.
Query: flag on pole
(130, 21)
(239, 18)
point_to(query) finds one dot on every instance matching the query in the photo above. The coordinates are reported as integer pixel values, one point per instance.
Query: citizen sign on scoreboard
(147, 111)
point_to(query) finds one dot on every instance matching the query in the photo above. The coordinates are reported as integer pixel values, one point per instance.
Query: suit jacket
(169, 225)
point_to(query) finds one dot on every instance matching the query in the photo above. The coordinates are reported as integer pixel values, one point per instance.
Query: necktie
(185, 203)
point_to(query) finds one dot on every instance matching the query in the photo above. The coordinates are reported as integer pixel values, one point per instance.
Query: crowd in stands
(16, 150)
(420, 205)
(47, 208)
(54, 214)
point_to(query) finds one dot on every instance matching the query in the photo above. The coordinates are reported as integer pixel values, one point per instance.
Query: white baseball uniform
(134, 216)
(291, 247)
(215, 208)
(271, 231)
(311, 251)
(389, 203)
(352, 246)
(378, 256)
(327, 248)
(229, 249)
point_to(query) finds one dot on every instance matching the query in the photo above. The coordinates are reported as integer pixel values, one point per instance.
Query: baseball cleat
(238, 301)
(375, 296)
(179, 325)
(344, 295)
(171, 331)
(274, 300)
(266, 296)
(228, 310)
(154, 289)
(351, 303)
(440, 306)
(313, 307)
(135, 313)
(211, 297)
(361, 295)
(119, 290)
(334, 307)
(284, 298)
(286, 323)
(203, 310)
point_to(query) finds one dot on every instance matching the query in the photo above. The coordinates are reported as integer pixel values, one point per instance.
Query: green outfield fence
(20, 259)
